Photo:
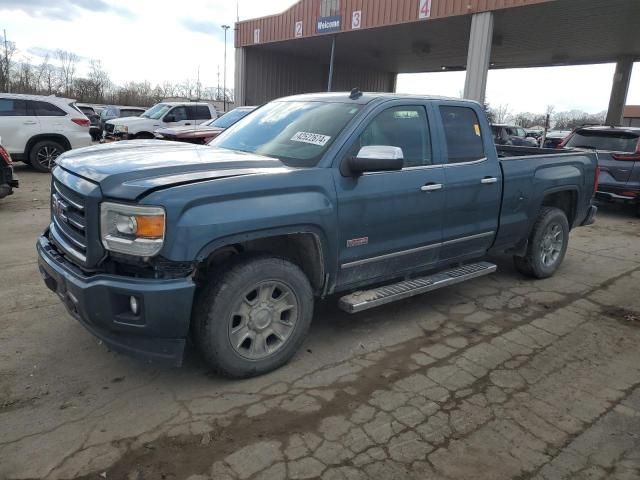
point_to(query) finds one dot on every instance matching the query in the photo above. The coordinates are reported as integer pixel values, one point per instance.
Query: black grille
(68, 214)
(108, 127)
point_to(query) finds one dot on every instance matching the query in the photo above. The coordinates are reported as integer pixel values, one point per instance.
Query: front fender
(205, 216)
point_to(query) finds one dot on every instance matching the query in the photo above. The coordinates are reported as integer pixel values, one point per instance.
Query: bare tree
(99, 79)
(501, 113)
(6, 61)
(68, 62)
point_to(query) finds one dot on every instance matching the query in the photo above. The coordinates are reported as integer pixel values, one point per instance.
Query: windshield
(229, 118)
(297, 133)
(614, 141)
(156, 111)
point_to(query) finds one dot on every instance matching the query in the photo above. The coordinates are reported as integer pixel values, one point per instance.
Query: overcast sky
(160, 40)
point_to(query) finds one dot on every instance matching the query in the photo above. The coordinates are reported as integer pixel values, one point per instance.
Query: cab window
(403, 127)
(462, 133)
(179, 114)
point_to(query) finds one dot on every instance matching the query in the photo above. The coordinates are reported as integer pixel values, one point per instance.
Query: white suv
(165, 114)
(37, 129)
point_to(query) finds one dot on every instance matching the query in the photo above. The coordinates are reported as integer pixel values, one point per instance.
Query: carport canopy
(472, 35)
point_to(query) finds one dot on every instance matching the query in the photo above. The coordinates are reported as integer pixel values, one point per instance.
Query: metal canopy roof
(560, 32)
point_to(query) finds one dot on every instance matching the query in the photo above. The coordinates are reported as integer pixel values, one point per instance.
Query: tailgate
(612, 170)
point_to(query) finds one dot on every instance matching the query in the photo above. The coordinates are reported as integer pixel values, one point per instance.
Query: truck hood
(190, 131)
(134, 121)
(129, 169)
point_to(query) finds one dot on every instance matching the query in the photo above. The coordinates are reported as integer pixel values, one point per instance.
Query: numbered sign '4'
(425, 9)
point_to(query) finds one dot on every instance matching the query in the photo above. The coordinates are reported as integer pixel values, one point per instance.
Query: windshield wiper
(584, 146)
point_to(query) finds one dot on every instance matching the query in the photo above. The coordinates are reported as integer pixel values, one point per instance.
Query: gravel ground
(498, 378)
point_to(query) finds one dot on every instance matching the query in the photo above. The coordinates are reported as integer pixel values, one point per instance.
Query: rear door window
(614, 141)
(46, 109)
(462, 134)
(202, 112)
(13, 108)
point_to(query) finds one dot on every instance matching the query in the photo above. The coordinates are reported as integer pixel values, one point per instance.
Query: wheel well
(143, 135)
(565, 200)
(301, 249)
(46, 136)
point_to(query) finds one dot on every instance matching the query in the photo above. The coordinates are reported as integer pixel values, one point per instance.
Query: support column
(478, 56)
(239, 80)
(619, 90)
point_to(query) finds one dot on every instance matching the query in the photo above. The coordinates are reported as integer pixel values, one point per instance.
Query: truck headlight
(132, 229)
(121, 129)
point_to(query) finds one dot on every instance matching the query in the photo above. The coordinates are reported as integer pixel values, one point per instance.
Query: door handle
(30, 122)
(488, 180)
(430, 187)
(187, 124)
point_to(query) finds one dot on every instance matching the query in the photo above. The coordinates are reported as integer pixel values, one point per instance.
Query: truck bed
(530, 175)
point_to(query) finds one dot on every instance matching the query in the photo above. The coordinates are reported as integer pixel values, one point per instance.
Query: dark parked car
(384, 195)
(554, 138)
(7, 182)
(114, 111)
(512, 135)
(204, 132)
(619, 159)
(93, 115)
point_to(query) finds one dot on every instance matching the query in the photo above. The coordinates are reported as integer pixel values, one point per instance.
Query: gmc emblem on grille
(59, 209)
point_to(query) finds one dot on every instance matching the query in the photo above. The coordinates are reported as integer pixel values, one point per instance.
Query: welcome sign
(329, 24)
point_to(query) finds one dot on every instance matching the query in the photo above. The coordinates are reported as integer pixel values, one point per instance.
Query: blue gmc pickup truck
(376, 196)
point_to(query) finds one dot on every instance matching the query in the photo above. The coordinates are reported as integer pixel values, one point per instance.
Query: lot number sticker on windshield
(313, 138)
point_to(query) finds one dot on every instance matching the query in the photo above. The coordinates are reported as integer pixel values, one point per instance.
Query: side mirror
(377, 158)
(170, 118)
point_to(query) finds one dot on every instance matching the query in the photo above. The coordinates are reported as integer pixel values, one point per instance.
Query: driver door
(390, 222)
(180, 117)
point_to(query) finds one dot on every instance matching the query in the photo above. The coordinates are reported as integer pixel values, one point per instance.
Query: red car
(204, 132)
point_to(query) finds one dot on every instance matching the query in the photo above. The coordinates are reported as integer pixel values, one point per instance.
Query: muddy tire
(547, 244)
(43, 155)
(252, 316)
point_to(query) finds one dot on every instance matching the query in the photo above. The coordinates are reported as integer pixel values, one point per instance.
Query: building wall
(266, 75)
(631, 116)
(375, 13)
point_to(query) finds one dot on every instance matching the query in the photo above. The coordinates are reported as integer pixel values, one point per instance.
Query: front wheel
(253, 316)
(43, 155)
(547, 244)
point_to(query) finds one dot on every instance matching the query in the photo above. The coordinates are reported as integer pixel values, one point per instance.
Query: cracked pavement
(498, 378)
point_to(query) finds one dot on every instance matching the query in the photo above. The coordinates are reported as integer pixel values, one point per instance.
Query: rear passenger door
(51, 118)
(199, 113)
(17, 124)
(473, 184)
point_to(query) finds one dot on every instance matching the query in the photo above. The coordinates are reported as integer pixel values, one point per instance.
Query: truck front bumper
(102, 303)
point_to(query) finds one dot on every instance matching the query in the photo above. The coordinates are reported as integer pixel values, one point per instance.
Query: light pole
(224, 81)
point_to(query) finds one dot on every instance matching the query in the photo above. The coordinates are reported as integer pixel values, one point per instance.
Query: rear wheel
(547, 244)
(43, 155)
(253, 316)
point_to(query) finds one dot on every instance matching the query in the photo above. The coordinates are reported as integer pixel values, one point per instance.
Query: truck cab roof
(364, 98)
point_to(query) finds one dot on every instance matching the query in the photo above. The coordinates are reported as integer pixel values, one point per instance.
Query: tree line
(57, 74)
(566, 120)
